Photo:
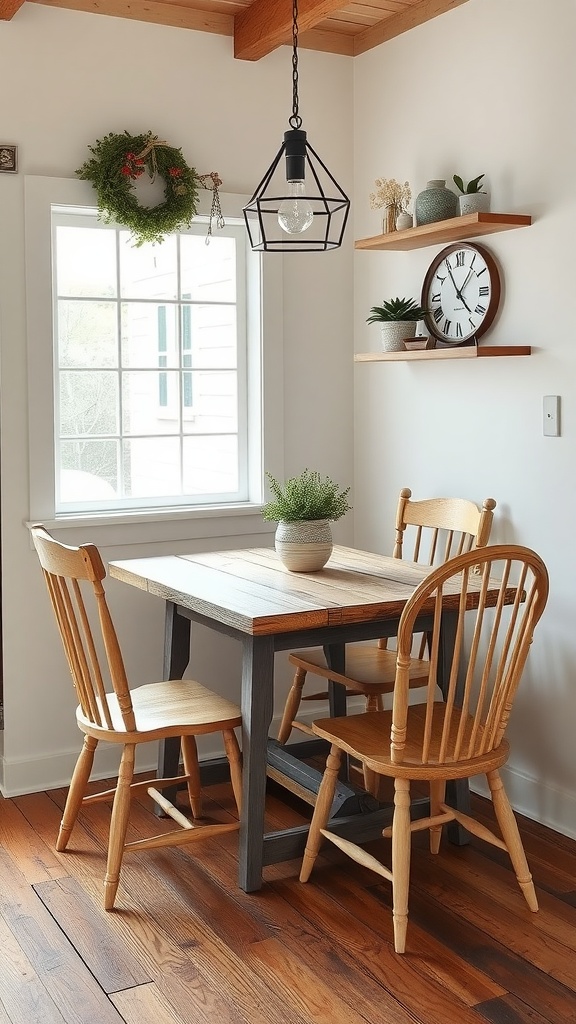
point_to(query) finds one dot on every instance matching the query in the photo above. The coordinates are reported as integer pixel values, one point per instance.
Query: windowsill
(161, 526)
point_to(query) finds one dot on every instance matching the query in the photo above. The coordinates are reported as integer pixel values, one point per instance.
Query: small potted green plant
(397, 319)
(303, 506)
(472, 198)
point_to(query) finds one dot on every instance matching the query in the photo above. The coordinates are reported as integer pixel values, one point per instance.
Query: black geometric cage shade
(327, 204)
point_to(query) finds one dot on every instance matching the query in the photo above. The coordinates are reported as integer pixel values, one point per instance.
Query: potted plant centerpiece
(397, 319)
(303, 506)
(473, 198)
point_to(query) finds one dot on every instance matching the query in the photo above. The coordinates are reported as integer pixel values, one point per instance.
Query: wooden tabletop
(250, 590)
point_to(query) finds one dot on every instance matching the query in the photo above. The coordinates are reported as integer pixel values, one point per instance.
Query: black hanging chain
(295, 121)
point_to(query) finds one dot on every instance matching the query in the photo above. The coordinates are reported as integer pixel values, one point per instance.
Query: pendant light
(298, 206)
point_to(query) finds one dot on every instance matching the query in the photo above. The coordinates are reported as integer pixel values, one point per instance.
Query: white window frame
(264, 379)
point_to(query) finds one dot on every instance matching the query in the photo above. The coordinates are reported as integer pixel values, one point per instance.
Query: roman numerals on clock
(461, 293)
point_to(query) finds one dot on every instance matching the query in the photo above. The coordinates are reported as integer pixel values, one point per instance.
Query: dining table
(249, 595)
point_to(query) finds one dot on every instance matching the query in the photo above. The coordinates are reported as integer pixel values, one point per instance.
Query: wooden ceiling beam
(149, 10)
(8, 9)
(267, 24)
(396, 24)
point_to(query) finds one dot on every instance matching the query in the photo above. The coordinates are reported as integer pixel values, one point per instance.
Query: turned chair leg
(321, 811)
(511, 835)
(401, 861)
(292, 704)
(77, 791)
(192, 770)
(118, 826)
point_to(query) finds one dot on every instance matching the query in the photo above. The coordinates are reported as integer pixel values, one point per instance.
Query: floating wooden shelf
(458, 352)
(472, 225)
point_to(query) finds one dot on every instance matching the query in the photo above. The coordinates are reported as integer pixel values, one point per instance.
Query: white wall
(69, 78)
(489, 87)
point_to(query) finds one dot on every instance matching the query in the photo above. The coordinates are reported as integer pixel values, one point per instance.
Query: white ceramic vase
(404, 220)
(475, 202)
(304, 545)
(393, 333)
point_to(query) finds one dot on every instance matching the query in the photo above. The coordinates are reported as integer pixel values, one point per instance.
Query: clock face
(461, 291)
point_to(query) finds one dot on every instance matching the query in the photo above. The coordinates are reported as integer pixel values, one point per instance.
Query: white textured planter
(476, 202)
(393, 333)
(305, 545)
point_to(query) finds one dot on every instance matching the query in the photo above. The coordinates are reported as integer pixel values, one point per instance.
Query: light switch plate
(551, 414)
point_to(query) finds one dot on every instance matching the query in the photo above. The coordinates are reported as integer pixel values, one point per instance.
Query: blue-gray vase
(436, 202)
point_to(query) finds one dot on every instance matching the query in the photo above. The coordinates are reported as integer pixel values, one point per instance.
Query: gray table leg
(335, 655)
(176, 658)
(257, 707)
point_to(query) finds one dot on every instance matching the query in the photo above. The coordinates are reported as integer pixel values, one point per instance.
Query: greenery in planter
(472, 188)
(396, 309)
(306, 497)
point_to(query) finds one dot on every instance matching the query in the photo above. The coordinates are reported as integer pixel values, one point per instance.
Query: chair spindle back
(64, 568)
(503, 594)
(442, 527)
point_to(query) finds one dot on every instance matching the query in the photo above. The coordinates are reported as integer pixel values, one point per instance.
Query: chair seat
(171, 707)
(367, 737)
(369, 669)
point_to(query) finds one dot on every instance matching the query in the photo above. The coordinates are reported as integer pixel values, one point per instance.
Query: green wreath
(118, 161)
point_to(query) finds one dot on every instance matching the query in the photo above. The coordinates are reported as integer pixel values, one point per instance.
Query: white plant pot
(304, 545)
(476, 202)
(394, 332)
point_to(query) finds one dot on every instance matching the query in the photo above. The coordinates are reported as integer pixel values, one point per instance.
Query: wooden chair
(454, 738)
(126, 716)
(441, 529)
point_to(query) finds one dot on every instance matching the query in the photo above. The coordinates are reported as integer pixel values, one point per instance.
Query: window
(158, 401)
(150, 353)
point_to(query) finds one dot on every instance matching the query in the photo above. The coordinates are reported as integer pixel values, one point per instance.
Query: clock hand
(468, 276)
(459, 291)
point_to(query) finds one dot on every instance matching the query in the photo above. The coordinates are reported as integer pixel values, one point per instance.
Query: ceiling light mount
(296, 212)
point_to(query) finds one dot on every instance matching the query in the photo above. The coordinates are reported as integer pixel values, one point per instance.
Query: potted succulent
(472, 198)
(303, 507)
(397, 319)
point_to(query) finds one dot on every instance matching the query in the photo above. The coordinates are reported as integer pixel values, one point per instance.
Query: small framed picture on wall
(8, 158)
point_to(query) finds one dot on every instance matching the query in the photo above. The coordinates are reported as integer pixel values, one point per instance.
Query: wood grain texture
(249, 590)
(258, 26)
(291, 954)
(470, 225)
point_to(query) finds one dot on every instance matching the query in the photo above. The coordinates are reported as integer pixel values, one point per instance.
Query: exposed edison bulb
(295, 214)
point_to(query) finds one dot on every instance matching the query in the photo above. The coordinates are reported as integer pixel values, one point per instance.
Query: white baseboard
(550, 805)
(53, 771)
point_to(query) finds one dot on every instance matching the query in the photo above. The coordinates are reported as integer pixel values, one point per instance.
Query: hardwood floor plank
(34, 858)
(109, 959)
(145, 1004)
(470, 866)
(63, 974)
(428, 957)
(315, 998)
(163, 960)
(202, 951)
(510, 1010)
(516, 928)
(23, 998)
(374, 956)
(516, 975)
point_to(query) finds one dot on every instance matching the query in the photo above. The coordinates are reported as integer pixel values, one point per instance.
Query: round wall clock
(461, 290)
